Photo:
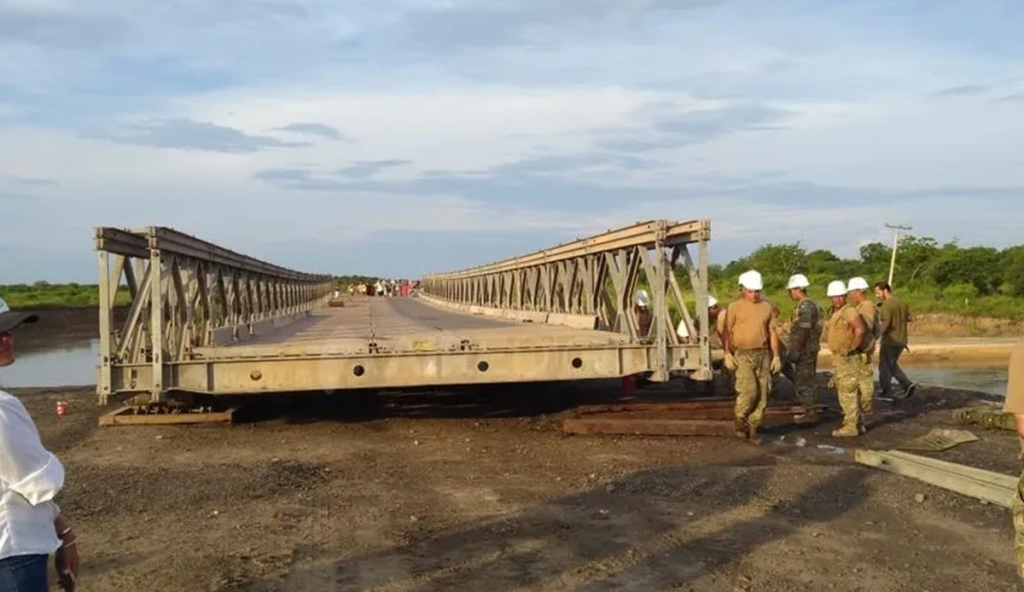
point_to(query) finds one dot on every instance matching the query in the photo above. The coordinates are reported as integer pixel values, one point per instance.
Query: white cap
(797, 281)
(751, 280)
(643, 298)
(857, 283)
(836, 288)
(712, 301)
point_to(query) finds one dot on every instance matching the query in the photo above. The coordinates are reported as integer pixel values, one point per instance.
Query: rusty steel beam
(592, 283)
(185, 293)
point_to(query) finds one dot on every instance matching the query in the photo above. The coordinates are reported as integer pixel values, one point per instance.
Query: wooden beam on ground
(139, 416)
(995, 488)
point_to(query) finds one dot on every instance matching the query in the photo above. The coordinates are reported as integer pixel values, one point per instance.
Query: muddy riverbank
(479, 490)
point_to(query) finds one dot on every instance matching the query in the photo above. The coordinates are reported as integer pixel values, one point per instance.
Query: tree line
(983, 280)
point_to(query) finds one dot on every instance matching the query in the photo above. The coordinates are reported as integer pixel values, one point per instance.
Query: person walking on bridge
(846, 331)
(857, 290)
(893, 318)
(31, 525)
(803, 345)
(751, 343)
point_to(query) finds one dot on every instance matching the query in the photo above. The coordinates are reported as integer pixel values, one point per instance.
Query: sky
(400, 137)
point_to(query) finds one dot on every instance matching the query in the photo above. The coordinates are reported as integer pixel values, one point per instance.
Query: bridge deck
(398, 325)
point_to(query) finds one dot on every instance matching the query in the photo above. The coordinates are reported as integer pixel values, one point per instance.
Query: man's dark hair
(883, 286)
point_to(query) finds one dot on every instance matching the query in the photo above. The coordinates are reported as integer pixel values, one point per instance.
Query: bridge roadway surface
(405, 324)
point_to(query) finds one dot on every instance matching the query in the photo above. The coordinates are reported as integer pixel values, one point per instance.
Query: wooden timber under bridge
(207, 320)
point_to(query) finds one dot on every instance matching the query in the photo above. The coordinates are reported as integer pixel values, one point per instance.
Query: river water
(74, 363)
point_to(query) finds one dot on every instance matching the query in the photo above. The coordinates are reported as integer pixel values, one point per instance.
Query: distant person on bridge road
(857, 290)
(803, 345)
(845, 334)
(31, 525)
(1014, 404)
(751, 344)
(892, 327)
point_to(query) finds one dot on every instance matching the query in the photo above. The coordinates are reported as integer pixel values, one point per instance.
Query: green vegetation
(47, 295)
(932, 278)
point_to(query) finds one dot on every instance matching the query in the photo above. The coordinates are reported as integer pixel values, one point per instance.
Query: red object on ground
(628, 384)
(62, 408)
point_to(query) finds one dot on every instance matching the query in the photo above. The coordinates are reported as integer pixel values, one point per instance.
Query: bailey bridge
(205, 319)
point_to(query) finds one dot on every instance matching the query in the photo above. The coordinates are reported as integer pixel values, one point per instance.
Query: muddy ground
(479, 490)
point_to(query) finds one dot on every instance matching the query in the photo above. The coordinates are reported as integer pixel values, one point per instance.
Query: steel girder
(185, 293)
(592, 282)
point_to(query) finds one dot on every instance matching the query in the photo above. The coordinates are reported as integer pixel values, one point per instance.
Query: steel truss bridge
(204, 319)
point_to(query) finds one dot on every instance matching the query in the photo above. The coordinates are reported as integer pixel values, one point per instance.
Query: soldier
(858, 294)
(644, 318)
(751, 346)
(1015, 404)
(803, 345)
(846, 332)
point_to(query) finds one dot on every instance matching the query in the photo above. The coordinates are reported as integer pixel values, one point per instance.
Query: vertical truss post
(106, 306)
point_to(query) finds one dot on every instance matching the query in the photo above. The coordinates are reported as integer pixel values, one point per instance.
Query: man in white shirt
(31, 525)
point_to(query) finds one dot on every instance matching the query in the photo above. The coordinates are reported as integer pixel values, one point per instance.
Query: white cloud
(269, 124)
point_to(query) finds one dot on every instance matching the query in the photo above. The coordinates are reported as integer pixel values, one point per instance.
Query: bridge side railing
(593, 282)
(184, 293)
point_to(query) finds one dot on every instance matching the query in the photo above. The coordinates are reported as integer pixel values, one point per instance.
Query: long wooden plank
(995, 488)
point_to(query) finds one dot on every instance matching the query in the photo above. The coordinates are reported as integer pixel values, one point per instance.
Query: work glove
(730, 362)
(776, 366)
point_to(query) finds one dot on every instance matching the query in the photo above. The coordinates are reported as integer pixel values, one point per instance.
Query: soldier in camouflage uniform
(1015, 404)
(802, 346)
(845, 331)
(751, 346)
(858, 295)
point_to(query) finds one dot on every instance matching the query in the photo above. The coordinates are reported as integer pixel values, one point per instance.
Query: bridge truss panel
(185, 294)
(592, 282)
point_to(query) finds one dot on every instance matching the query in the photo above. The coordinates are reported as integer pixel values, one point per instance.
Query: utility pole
(895, 244)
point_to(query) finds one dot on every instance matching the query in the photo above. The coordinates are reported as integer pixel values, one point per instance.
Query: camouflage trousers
(805, 369)
(1017, 510)
(866, 383)
(847, 381)
(753, 384)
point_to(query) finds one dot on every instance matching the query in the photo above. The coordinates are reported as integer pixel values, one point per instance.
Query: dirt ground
(479, 490)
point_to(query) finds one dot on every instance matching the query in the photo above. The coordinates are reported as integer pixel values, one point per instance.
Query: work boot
(848, 430)
(740, 426)
(752, 434)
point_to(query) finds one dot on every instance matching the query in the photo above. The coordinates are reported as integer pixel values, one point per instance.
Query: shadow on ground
(634, 534)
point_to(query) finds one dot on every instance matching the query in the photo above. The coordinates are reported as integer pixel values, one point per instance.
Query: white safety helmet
(751, 280)
(836, 288)
(797, 281)
(857, 283)
(712, 301)
(643, 298)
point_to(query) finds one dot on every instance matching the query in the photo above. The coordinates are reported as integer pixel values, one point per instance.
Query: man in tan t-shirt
(751, 346)
(858, 294)
(1015, 404)
(845, 330)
